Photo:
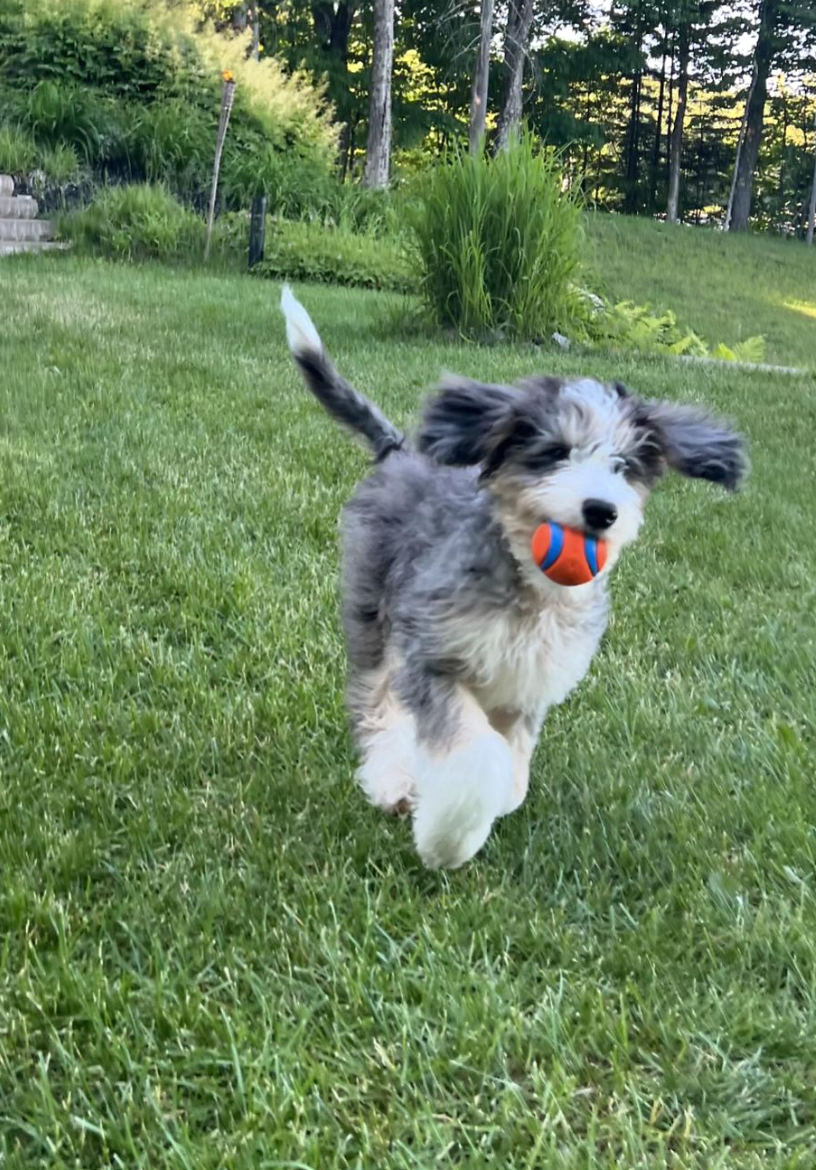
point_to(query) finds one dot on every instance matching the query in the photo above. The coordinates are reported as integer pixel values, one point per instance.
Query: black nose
(599, 515)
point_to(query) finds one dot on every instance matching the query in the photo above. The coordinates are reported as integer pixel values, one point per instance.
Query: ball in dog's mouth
(567, 556)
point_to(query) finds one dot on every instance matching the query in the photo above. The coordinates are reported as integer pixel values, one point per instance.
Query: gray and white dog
(458, 644)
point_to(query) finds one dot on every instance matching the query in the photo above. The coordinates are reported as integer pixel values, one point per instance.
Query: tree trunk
(782, 168)
(630, 204)
(700, 175)
(516, 43)
(255, 49)
(658, 132)
(676, 143)
(481, 77)
(378, 147)
(332, 25)
(748, 153)
(812, 207)
(670, 108)
(239, 18)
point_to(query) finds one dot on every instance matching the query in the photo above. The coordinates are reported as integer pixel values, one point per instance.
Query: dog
(458, 644)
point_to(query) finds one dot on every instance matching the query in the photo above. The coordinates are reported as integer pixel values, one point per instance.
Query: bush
(369, 211)
(18, 151)
(134, 87)
(59, 165)
(311, 251)
(138, 222)
(92, 124)
(499, 243)
(293, 184)
(174, 144)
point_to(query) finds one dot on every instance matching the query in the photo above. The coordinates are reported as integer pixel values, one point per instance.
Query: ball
(567, 556)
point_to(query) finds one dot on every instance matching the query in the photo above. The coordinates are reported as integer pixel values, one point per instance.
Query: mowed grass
(725, 287)
(213, 954)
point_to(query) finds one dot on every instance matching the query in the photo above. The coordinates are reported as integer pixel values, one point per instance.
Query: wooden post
(257, 230)
(227, 96)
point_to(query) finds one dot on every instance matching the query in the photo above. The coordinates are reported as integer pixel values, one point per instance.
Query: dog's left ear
(697, 444)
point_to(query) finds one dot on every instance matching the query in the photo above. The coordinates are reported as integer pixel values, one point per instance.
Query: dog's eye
(620, 464)
(547, 457)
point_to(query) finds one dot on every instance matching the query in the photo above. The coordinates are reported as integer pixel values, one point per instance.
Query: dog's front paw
(449, 852)
(459, 798)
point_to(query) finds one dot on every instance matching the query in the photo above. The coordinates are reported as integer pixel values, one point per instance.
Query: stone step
(6, 185)
(13, 247)
(25, 229)
(18, 207)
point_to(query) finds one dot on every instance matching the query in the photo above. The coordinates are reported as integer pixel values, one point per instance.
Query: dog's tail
(340, 399)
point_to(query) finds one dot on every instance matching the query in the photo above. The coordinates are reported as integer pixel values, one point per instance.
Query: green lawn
(724, 287)
(213, 954)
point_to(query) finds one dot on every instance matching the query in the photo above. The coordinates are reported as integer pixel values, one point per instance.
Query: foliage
(293, 184)
(90, 121)
(137, 222)
(751, 350)
(602, 86)
(18, 151)
(59, 165)
(134, 88)
(171, 142)
(498, 243)
(310, 251)
(625, 325)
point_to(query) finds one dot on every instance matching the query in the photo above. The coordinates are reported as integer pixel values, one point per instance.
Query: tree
(378, 148)
(516, 46)
(676, 140)
(658, 135)
(481, 77)
(812, 204)
(751, 136)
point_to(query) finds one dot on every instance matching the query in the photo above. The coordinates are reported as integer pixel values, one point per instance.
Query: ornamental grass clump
(498, 243)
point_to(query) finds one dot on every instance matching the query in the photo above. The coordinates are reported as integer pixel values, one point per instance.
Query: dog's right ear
(465, 421)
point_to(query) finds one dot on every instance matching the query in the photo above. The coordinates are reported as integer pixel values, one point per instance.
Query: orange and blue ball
(567, 556)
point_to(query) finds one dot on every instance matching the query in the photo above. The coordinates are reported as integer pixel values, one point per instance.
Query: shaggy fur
(458, 644)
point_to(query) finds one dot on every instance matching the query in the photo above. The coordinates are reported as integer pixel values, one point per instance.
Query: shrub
(138, 222)
(499, 243)
(369, 211)
(93, 125)
(625, 325)
(18, 151)
(293, 184)
(173, 143)
(134, 87)
(59, 165)
(311, 251)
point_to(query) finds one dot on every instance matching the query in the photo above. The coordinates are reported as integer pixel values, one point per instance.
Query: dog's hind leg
(464, 781)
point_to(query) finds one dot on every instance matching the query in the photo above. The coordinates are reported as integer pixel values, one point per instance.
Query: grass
(725, 287)
(213, 954)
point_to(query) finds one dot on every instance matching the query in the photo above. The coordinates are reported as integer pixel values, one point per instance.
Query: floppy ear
(698, 445)
(466, 421)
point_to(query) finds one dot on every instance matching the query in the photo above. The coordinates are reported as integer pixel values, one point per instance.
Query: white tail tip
(300, 331)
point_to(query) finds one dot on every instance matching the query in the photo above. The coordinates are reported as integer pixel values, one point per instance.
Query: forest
(696, 110)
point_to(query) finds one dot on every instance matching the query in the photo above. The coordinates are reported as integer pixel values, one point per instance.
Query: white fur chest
(529, 660)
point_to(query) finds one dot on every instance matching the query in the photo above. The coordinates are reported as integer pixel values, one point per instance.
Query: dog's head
(575, 451)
